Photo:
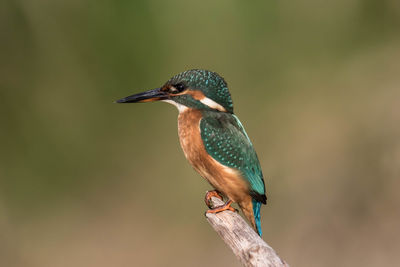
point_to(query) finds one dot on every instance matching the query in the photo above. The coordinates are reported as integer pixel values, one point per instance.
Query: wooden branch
(245, 243)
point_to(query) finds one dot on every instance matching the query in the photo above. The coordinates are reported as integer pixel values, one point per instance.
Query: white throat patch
(181, 108)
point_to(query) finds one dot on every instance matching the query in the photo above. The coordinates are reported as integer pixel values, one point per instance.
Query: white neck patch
(181, 108)
(212, 104)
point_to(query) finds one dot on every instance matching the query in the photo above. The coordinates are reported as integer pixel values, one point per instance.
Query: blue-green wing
(227, 142)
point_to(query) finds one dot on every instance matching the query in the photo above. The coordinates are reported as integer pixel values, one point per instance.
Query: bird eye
(176, 88)
(180, 87)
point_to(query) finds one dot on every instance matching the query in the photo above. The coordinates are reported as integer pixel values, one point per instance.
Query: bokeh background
(86, 182)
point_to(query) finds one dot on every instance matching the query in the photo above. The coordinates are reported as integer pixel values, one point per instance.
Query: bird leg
(210, 194)
(226, 206)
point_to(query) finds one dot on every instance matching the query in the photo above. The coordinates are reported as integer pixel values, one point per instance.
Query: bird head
(198, 89)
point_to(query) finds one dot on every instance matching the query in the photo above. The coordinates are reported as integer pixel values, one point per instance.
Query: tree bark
(245, 243)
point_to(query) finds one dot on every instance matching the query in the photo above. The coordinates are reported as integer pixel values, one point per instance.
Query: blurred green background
(85, 182)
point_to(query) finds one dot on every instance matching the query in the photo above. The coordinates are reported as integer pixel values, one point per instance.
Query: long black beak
(148, 96)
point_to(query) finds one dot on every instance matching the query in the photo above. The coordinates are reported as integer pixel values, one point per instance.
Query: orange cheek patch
(198, 95)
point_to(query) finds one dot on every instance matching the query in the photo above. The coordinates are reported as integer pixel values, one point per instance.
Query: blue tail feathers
(257, 216)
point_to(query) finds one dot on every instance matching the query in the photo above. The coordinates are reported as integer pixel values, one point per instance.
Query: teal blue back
(227, 142)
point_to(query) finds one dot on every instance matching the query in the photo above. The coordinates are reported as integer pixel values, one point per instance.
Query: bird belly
(225, 179)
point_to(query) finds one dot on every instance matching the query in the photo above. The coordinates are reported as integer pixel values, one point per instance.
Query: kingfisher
(213, 140)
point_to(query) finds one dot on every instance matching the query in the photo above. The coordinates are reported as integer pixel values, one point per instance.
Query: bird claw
(209, 195)
(226, 206)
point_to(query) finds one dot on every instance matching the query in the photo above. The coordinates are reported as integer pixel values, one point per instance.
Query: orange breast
(225, 179)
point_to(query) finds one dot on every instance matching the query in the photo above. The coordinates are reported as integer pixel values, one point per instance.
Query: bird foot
(210, 194)
(226, 206)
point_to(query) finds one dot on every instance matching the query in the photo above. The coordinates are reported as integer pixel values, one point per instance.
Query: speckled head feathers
(207, 82)
(196, 89)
